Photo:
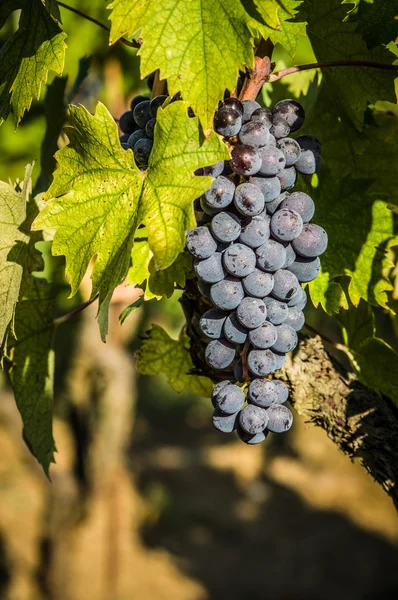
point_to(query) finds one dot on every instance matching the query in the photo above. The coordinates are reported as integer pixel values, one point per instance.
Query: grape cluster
(253, 247)
(138, 125)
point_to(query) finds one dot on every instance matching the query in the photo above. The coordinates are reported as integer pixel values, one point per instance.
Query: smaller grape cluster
(253, 247)
(138, 126)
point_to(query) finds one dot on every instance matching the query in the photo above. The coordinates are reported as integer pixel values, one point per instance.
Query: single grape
(286, 225)
(249, 106)
(291, 150)
(142, 113)
(225, 227)
(137, 100)
(263, 392)
(290, 255)
(245, 160)
(295, 318)
(221, 193)
(125, 146)
(287, 177)
(261, 362)
(249, 438)
(234, 331)
(254, 133)
(142, 150)
(286, 285)
(253, 419)
(212, 322)
(264, 336)
(210, 269)
(217, 388)
(312, 241)
(286, 338)
(258, 283)
(127, 123)
(133, 138)
(227, 121)
(270, 187)
(230, 399)
(301, 203)
(251, 312)
(232, 103)
(271, 256)
(214, 170)
(272, 160)
(306, 269)
(249, 199)
(280, 418)
(280, 359)
(280, 128)
(227, 294)
(207, 209)
(224, 423)
(309, 142)
(309, 162)
(262, 115)
(239, 260)
(150, 80)
(277, 311)
(219, 354)
(300, 300)
(200, 242)
(275, 204)
(291, 111)
(283, 392)
(255, 232)
(150, 128)
(155, 104)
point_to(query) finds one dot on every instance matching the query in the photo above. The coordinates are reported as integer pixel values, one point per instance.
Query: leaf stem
(73, 312)
(132, 43)
(332, 63)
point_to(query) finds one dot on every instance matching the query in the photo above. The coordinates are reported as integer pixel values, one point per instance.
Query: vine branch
(72, 313)
(131, 44)
(332, 63)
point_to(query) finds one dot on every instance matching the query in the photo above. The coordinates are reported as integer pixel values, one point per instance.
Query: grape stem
(331, 63)
(243, 356)
(72, 313)
(132, 43)
(256, 78)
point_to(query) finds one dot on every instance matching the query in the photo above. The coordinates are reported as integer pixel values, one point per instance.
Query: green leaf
(53, 9)
(352, 87)
(32, 368)
(17, 252)
(377, 20)
(130, 309)
(199, 45)
(37, 47)
(279, 20)
(375, 362)
(159, 353)
(99, 197)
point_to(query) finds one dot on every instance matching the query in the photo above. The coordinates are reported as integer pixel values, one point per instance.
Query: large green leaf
(32, 367)
(160, 354)
(17, 253)
(374, 360)
(279, 20)
(352, 87)
(37, 47)
(377, 20)
(199, 45)
(99, 196)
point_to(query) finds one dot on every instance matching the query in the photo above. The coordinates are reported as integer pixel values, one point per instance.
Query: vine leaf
(53, 9)
(159, 353)
(377, 21)
(32, 367)
(331, 39)
(198, 46)
(279, 20)
(38, 46)
(99, 197)
(18, 256)
(374, 360)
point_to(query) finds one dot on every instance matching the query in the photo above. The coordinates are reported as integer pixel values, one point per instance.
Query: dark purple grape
(142, 113)
(136, 100)
(290, 111)
(233, 103)
(262, 115)
(245, 160)
(127, 122)
(227, 121)
(155, 104)
(249, 106)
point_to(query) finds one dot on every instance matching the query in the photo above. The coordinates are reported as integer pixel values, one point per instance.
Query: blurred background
(146, 500)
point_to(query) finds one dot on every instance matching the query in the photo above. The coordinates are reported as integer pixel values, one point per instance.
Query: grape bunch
(138, 125)
(253, 247)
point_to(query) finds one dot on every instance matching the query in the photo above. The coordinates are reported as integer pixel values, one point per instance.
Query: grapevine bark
(361, 423)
